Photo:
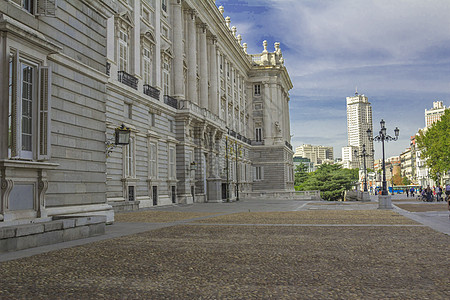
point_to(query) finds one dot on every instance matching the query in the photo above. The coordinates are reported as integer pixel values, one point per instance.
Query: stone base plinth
(365, 196)
(214, 190)
(384, 202)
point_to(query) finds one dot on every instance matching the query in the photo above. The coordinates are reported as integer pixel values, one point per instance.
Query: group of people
(436, 192)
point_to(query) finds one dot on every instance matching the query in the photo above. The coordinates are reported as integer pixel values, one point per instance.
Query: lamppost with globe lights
(382, 137)
(364, 155)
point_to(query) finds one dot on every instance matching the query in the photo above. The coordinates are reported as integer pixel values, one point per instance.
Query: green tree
(300, 174)
(331, 180)
(406, 181)
(434, 145)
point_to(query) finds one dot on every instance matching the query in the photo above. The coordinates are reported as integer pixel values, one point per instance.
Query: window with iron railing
(127, 79)
(170, 101)
(151, 91)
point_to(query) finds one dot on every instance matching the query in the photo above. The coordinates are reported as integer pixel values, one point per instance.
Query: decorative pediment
(149, 37)
(124, 18)
(167, 52)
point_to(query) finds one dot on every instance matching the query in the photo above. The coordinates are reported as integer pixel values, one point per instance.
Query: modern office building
(434, 114)
(207, 120)
(316, 154)
(359, 119)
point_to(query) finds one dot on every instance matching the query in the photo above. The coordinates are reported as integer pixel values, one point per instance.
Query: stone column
(178, 50)
(192, 58)
(203, 64)
(213, 75)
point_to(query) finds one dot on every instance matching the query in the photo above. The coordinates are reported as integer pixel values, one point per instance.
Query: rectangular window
(28, 109)
(28, 5)
(257, 89)
(259, 173)
(172, 169)
(153, 164)
(129, 158)
(128, 110)
(28, 93)
(164, 5)
(123, 51)
(151, 119)
(258, 134)
(166, 79)
(147, 68)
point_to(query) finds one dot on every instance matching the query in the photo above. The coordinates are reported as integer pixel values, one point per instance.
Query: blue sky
(397, 53)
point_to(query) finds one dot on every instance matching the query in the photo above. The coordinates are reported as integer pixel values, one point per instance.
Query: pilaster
(203, 66)
(214, 77)
(192, 58)
(178, 50)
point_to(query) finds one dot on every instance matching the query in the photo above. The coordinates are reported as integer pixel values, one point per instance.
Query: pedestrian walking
(412, 192)
(407, 192)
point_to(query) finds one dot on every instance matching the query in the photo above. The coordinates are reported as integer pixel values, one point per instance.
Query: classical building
(434, 114)
(207, 120)
(316, 154)
(359, 120)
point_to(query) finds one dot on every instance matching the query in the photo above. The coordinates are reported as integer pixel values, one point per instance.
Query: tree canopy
(434, 145)
(331, 180)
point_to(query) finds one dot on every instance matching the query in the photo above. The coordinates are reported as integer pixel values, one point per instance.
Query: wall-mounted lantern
(122, 134)
(121, 137)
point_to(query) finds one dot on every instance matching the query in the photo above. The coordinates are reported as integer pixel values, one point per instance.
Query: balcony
(127, 79)
(288, 145)
(151, 91)
(171, 101)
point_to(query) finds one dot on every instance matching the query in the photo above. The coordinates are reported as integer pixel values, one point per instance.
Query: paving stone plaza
(246, 250)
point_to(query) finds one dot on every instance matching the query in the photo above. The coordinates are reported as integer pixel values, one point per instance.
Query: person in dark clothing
(429, 194)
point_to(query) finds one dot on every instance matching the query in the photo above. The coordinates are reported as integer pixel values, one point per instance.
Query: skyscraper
(359, 119)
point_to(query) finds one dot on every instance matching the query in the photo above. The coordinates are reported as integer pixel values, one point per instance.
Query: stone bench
(60, 229)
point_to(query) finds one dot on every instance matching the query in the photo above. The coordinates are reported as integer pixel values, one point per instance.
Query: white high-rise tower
(359, 119)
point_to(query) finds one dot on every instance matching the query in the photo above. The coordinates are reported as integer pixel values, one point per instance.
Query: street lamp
(364, 155)
(381, 137)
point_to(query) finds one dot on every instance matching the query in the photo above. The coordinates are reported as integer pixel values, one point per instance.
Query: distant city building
(434, 114)
(305, 161)
(349, 160)
(407, 164)
(317, 154)
(359, 119)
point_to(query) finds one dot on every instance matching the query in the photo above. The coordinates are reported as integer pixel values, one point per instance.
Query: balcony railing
(257, 143)
(288, 145)
(128, 79)
(171, 101)
(151, 91)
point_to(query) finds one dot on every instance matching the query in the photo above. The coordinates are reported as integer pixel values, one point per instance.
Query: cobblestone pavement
(257, 255)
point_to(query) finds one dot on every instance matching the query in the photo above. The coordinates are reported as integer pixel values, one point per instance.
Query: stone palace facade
(209, 122)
